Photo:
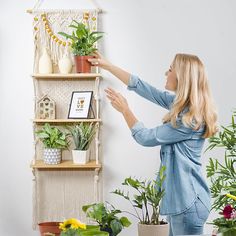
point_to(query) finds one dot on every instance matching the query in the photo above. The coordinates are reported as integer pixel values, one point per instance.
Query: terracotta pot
(47, 228)
(153, 230)
(82, 65)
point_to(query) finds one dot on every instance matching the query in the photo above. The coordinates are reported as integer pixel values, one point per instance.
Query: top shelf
(67, 76)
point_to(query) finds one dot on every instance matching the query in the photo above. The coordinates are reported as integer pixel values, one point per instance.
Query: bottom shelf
(39, 164)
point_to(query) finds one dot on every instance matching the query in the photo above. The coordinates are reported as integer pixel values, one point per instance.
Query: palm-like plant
(82, 39)
(223, 176)
(82, 135)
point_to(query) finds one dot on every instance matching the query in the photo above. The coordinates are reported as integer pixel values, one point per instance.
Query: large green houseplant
(223, 176)
(54, 140)
(106, 217)
(145, 202)
(82, 44)
(82, 136)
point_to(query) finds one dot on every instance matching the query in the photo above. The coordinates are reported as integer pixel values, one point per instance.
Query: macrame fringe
(58, 21)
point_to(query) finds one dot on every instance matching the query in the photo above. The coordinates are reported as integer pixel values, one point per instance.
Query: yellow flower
(231, 196)
(72, 223)
(62, 227)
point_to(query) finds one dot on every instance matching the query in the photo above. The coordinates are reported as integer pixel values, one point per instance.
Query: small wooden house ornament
(46, 108)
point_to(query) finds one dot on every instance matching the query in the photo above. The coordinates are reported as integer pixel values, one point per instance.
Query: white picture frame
(80, 104)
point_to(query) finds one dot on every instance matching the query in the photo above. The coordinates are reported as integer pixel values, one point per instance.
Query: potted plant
(226, 225)
(49, 229)
(82, 45)
(223, 175)
(73, 227)
(53, 140)
(145, 202)
(107, 218)
(82, 135)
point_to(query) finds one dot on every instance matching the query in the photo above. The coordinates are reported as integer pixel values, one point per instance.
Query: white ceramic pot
(52, 156)
(80, 157)
(153, 230)
(65, 64)
(45, 63)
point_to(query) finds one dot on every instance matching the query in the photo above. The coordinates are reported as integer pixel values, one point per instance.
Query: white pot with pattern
(52, 156)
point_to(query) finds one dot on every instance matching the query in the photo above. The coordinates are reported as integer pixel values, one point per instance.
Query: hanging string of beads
(51, 34)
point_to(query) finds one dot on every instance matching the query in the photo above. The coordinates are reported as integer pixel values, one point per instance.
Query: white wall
(142, 37)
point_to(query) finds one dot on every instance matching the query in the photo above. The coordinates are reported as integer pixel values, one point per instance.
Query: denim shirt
(180, 152)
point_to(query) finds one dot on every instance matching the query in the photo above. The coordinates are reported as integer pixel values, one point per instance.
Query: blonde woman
(191, 118)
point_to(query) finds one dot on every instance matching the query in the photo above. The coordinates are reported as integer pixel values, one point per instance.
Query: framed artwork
(80, 104)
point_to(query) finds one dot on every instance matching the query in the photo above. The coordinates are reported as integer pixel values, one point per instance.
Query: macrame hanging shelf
(58, 194)
(40, 2)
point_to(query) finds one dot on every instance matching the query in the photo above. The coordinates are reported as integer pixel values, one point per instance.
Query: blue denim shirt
(180, 152)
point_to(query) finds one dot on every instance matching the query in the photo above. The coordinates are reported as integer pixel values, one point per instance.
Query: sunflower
(72, 223)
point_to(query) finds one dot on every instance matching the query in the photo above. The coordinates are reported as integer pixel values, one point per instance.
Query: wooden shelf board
(42, 121)
(39, 164)
(67, 76)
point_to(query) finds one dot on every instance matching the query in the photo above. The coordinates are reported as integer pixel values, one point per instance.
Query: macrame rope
(46, 26)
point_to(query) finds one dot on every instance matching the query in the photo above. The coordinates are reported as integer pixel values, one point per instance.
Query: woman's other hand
(100, 61)
(117, 100)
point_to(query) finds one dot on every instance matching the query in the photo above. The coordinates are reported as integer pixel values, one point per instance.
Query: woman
(190, 119)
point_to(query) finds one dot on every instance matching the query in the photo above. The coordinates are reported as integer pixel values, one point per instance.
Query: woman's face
(171, 80)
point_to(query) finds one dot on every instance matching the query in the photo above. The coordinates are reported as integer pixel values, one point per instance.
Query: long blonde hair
(193, 93)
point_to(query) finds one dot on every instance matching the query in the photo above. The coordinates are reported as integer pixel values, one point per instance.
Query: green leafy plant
(147, 193)
(52, 137)
(107, 217)
(223, 175)
(82, 134)
(82, 39)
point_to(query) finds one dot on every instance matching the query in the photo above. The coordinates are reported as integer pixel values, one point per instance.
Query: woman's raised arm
(100, 61)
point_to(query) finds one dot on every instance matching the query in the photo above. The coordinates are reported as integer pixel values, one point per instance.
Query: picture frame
(80, 104)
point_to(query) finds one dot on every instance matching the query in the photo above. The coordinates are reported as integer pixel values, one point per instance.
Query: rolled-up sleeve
(160, 135)
(149, 92)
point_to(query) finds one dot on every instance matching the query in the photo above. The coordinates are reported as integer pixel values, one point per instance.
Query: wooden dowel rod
(30, 11)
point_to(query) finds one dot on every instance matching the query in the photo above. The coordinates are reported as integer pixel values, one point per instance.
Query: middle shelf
(68, 164)
(54, 121)
(67, 76)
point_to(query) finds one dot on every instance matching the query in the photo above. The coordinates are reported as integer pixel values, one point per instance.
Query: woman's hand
(100, 61)
(121, 105)
(117, 100)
